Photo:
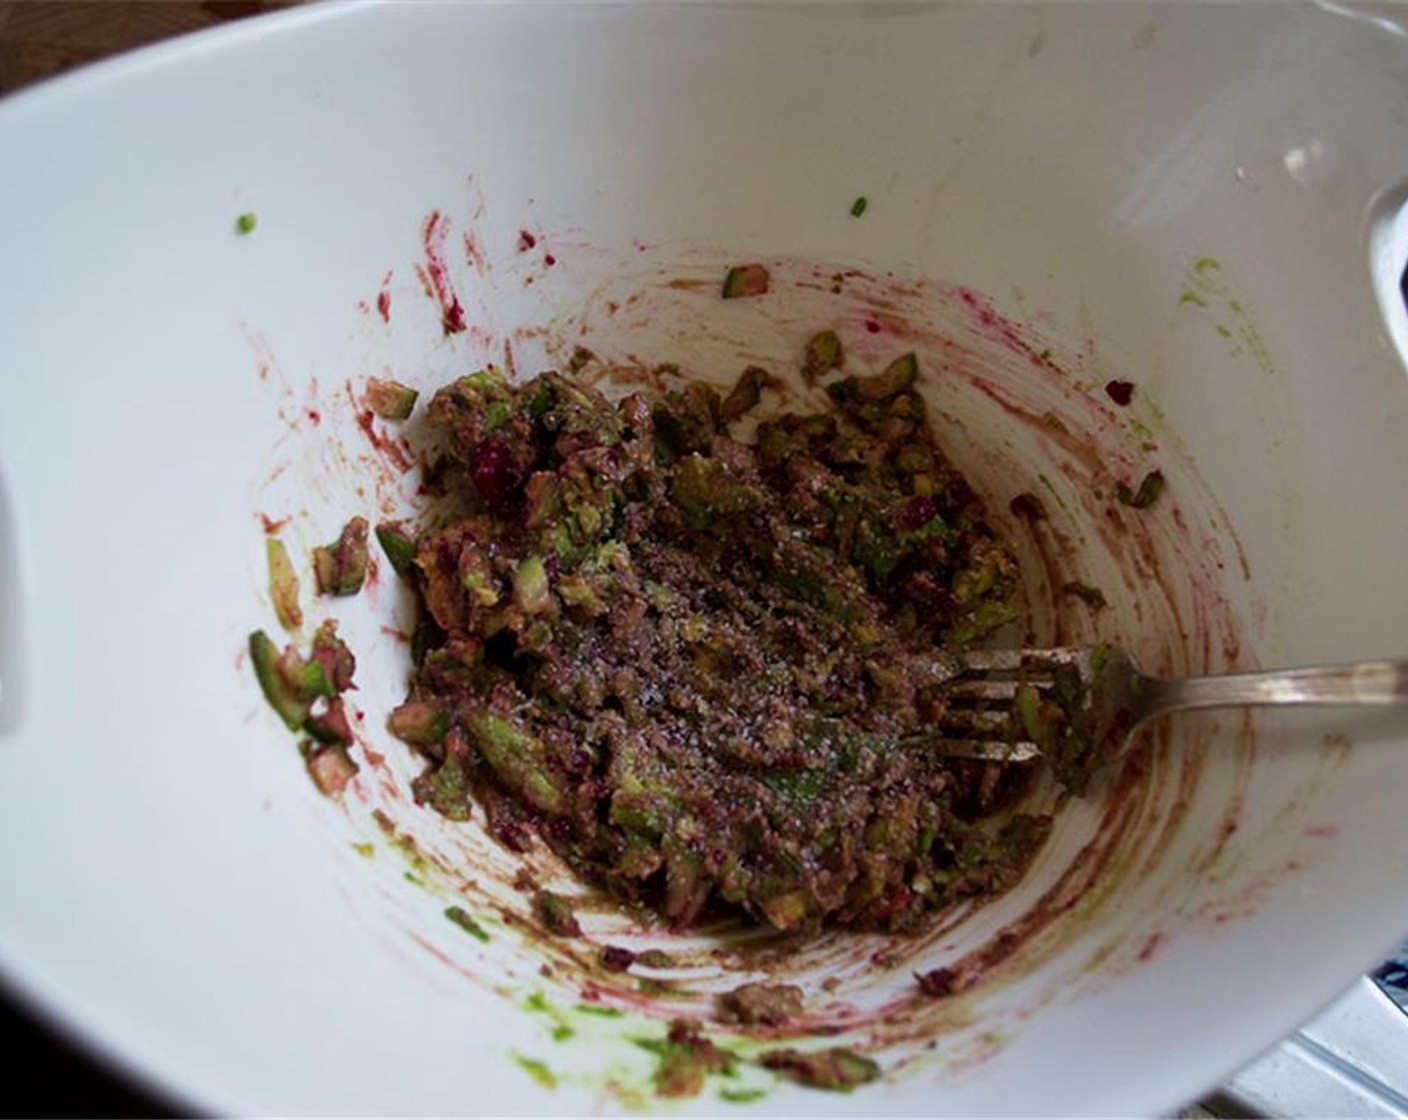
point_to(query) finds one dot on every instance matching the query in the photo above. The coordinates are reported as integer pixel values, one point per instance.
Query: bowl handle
(13, 621)
(1388, 263)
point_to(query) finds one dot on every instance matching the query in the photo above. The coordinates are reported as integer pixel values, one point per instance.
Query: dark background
(45, 1076)
(39, 38)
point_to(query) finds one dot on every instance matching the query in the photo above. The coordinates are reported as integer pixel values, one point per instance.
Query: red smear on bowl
(383, 299)
(437, 228)
(1121, 392)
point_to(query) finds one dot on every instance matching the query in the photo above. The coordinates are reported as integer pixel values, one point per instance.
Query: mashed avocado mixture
(682, 658)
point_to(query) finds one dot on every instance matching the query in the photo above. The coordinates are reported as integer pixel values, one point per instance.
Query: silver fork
(1108, 696)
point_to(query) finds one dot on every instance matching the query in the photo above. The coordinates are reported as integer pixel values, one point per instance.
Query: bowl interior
(1038, 225)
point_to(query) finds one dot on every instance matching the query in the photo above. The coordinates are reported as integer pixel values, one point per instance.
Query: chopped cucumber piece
(282, 696)
(341, 567)
(398, 545)
(390, 399)
(746, 280)
(283, 584)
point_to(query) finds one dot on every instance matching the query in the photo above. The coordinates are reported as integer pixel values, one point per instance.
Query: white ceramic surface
(176, 892)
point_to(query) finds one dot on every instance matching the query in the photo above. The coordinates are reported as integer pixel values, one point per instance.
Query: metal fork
(1104, 690)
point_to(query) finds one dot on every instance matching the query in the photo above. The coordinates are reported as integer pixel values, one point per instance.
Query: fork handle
(1364, 682)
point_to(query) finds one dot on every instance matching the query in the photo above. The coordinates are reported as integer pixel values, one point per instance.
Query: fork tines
(979, 718)
(994, 675)
(1012, 660)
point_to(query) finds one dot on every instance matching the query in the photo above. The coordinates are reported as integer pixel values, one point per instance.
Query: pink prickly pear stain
(437, 229)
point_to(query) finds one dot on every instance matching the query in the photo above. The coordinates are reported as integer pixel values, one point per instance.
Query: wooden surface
(39, 38)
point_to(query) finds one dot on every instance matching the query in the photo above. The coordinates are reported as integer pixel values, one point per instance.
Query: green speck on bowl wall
(1051, 488)
(537, 1070)
(599, 1064)
(562, 1028)
(599, 1011)
(1205, 286)
(462, 918)
(615, 1051)
(1140, 429)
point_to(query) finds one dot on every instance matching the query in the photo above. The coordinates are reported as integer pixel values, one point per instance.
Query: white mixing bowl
(1202, 201)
